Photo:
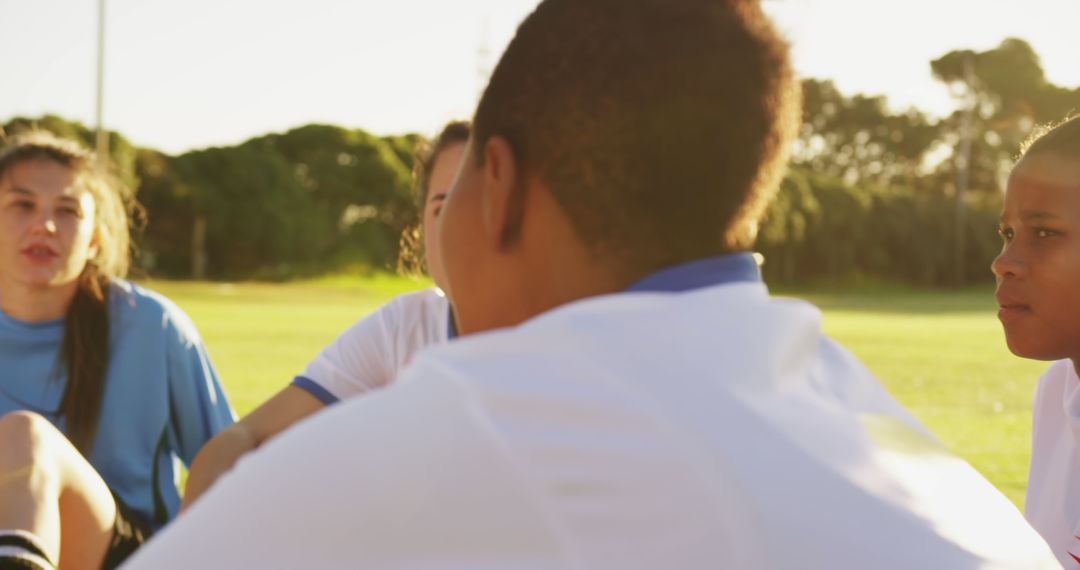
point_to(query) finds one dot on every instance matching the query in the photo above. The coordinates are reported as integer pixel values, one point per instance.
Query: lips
(1010, 308)
(39, 252)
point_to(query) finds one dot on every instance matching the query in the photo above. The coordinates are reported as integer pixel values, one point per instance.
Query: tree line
(317, 198)
(900, 196)
(872, 192)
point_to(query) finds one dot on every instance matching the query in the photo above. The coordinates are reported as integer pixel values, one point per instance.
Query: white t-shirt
(717, 428)
(1053, 493)
(370, 353)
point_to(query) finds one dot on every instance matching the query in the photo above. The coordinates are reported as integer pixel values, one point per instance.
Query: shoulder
(393, 332)
(426, 311)
(142, 309)
(424, 304)
(643, 328)
(1059, 372)
(1054, 383)
(1056, 377)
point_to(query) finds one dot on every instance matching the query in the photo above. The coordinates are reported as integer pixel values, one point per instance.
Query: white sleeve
(409, 477)
(840, 375)
(361, 359)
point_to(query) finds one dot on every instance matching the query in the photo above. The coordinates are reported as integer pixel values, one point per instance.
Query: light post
(963, 171)
(102, 134)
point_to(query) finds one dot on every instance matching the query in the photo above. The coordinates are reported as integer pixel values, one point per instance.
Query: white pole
(102, 134)
(963, 175)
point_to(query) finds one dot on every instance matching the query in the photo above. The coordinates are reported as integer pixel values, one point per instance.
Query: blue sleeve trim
(451, 324)
(315, 389)
(204, 409)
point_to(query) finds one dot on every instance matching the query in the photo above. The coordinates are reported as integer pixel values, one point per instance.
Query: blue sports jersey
(162, 399)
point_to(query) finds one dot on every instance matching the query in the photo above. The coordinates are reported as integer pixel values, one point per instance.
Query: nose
(1007, 264)
(45, 223)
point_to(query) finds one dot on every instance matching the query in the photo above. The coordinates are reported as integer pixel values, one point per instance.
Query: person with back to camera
(1038, 281)
(104, 385)
(625, 394)
(369, 354)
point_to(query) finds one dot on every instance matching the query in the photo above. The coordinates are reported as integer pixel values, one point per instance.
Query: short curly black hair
(1062, 138)
(661, 127)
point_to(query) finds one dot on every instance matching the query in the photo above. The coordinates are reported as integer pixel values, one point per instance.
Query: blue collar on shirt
(731, 268)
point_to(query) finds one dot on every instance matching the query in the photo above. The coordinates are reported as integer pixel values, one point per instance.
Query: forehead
(1045, 175)
(1047, 169)
(448, 159)
(444, 169)
(42, 177)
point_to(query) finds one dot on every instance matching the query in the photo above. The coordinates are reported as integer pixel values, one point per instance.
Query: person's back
(624, 394)
(716, 426)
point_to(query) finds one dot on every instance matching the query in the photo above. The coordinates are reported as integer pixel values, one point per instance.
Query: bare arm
(285, 408)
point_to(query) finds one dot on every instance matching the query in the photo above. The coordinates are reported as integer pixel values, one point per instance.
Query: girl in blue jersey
(103, 384)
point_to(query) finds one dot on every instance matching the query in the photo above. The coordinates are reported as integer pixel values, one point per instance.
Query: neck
(571, 278)
(36, 304)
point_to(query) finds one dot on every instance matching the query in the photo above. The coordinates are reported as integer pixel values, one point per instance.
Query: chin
(46, 281)
(1033, 350)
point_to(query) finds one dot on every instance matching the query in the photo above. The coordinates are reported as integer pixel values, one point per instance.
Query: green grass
(943, 355)
(262, 335)
(940, 353)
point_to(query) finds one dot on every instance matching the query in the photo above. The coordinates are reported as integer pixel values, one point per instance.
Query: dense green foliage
(313, 199)
(822, 229)
(872, 193)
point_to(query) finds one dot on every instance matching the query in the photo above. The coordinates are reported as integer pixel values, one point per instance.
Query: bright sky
(194, 73)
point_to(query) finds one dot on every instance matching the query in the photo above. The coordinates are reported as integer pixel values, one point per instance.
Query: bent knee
(26, 438)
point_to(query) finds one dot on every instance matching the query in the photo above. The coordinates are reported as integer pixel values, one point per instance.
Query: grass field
(940, 353)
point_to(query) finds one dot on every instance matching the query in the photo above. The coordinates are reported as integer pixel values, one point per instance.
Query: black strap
(22, 550)
(161, 512)
(24, 563)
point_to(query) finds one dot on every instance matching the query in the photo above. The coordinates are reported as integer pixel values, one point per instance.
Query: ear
(95, 242)
(503, 192)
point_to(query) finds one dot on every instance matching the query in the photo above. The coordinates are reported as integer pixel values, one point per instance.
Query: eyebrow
(27, 192)
(1035, 216)
(1034, 183)
(439, 196)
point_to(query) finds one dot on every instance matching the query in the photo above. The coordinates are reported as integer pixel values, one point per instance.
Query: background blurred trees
(872, 192)
(317, 198)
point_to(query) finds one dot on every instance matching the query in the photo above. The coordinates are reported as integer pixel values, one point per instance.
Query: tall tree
(858, 139)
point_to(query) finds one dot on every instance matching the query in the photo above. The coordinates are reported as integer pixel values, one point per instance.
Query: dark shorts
(129, 533)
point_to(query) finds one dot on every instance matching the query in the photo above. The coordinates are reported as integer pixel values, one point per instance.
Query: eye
(1006, 233)
(1044, 233)
(69, 211)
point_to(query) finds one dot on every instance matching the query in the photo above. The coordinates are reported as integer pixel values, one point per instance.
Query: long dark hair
(410, 249)
(84, 351)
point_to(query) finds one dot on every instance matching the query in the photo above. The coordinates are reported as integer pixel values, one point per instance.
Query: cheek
(443, 236)
(455, 238)
(1053, 332)
(431, 242)
(79, 238)
(430, 227)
